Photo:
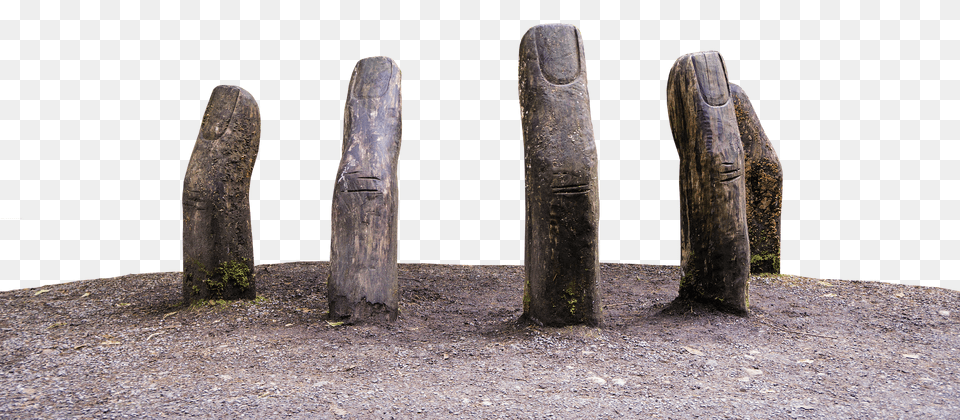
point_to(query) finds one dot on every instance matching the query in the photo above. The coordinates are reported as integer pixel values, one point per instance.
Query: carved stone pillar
(363, 244)
(764, 183)
(561, 258)
(715, 248)
(217, 236)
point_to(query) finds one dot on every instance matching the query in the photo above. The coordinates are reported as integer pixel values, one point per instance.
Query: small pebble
(597, 380)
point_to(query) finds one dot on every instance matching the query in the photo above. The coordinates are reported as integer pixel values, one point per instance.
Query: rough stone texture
(217, 236)
(363, 246)
(562, 201)
(764, 182)
(715, 248)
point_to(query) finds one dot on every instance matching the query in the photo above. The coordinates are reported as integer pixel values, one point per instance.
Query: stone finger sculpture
(715, 249)
(764, 183)
(561, 258)
(363, 244)
(217, 236)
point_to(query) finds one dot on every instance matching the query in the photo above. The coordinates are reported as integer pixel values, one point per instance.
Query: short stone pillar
(715, 248)
(217, 236)
(764, 183)
(363, 245)
(561, 259)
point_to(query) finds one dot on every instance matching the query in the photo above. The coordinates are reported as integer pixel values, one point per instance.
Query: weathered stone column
(715, 249)
(561, 259)
(217, 236)
(764, 183)
(363, 244)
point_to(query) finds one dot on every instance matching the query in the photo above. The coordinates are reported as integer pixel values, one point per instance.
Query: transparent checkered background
(100, 104)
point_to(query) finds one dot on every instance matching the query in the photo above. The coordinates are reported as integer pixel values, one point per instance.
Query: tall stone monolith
(714, 243)
(217, 236)
(764, 183)
(561, 257)
(363, 244)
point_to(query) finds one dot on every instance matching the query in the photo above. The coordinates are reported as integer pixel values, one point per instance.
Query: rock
(561, 258)
(693, 351)
(753, 372)
(619, 381)
(715, 248)
(944, 313)
(764, 185)
(711, 363)
(363, 244)
(217, 235)
(597, 380)
(336, 410)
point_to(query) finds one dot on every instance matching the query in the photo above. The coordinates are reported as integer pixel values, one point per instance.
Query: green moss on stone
(571, 296)
(235, 273)
(773, 258)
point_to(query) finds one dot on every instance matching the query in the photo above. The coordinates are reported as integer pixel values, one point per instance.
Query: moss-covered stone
(764, 183)
(216, 206)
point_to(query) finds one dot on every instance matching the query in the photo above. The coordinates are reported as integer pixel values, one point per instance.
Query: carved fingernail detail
(373, 77)
(711, 77)
(558, 49)
(216, 119)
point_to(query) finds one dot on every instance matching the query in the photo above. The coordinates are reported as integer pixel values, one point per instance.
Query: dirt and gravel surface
(127, 347)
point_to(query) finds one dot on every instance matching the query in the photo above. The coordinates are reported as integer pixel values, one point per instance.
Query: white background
(101, 102)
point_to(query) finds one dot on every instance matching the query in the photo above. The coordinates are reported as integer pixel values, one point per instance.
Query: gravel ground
(127, 347)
